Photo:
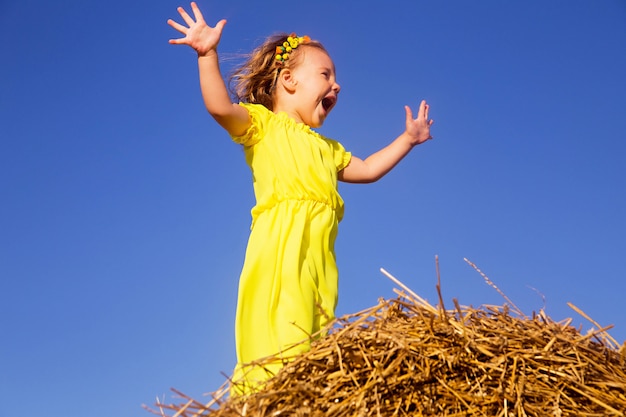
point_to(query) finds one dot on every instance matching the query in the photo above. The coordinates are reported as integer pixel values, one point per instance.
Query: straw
(405, 357)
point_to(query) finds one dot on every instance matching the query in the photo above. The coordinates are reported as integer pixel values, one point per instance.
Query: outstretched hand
(418, 129)
(200, 36)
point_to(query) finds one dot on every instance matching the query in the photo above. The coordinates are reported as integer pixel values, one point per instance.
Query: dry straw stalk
(405, 357)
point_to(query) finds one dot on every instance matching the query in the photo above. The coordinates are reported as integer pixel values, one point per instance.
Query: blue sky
(126, 209)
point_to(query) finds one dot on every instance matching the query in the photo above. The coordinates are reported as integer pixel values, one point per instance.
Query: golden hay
(405, 357)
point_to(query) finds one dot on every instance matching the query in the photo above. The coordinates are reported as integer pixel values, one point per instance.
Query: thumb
(220, 25)
(409, 114)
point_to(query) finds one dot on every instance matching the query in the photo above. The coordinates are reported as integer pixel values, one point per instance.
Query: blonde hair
(255, 80)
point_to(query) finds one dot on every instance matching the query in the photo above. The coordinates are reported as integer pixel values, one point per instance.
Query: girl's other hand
(418, 129)
(200, 36)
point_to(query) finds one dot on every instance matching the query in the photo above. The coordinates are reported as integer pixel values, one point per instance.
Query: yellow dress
(288, 284)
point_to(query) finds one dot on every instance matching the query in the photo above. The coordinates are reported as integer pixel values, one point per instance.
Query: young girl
(288, 285)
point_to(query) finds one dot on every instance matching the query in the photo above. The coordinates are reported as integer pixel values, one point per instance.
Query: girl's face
(315, 87)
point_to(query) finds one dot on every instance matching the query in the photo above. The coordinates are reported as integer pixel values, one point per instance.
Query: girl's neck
(289, 111)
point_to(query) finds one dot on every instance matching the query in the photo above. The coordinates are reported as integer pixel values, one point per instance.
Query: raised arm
(204, 39)
(378, 164)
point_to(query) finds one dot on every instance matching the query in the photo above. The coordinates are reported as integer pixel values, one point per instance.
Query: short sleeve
(259, 115)
(340, 155)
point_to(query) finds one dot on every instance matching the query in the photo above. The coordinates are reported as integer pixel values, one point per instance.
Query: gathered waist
(261, 208)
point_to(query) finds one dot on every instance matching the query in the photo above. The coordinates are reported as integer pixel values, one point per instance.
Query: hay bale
(405, 357)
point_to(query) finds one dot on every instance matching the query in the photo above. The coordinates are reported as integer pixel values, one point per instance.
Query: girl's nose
(336, 88)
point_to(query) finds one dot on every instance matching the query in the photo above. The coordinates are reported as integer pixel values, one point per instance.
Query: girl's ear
(287, 80)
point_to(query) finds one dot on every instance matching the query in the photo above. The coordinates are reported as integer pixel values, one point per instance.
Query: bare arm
(204, 39)
(380, 163)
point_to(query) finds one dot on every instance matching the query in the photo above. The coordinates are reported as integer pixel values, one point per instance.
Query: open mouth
(328, 103)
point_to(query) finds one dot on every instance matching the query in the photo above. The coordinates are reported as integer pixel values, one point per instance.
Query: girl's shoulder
(257, 109)
(265, 121)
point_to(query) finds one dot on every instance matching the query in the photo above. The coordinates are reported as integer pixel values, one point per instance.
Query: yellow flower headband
(292, 42)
